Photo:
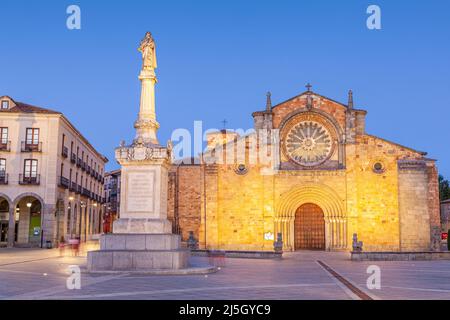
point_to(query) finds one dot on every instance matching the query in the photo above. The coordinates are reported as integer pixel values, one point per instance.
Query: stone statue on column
(148, 50)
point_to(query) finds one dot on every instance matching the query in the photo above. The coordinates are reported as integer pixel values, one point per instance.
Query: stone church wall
(184, 199)
(392, 208)
(413, 200)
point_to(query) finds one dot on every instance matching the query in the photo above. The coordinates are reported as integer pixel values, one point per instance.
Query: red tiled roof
(21, 107)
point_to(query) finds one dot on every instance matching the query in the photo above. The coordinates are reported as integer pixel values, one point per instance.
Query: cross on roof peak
(224, 122)
(308, 87)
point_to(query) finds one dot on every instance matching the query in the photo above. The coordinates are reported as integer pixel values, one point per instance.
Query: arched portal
(29, 220)
(4, 220)
(309, 228)
(332, 206)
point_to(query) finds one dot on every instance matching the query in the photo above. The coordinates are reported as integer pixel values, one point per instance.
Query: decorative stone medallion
(241, 169)
(308, 140)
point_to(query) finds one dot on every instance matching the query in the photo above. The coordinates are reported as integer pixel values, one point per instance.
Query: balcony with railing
(29, 179)
(63, 182)
(86, 192)
(28, 146)
(73, 158)
(83, 166)
(79, 162)
(79, 189)
(88, 169)
(65, 152)
(93, 173)
(3, 177)
(5, 145)
(73, 187)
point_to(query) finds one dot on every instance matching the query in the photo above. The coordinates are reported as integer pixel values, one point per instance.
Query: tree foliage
(444, 188)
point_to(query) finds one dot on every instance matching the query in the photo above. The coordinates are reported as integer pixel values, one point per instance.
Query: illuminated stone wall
(391, 208)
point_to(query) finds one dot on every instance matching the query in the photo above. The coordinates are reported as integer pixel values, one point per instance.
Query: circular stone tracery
(308, 143)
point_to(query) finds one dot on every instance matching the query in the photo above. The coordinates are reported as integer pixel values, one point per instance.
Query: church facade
(326, 179)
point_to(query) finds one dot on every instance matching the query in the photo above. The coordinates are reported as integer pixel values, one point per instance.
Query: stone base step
(137, 260)
(123, 241)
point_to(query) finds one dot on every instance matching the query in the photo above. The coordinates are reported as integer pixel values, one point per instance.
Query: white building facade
(51, 178)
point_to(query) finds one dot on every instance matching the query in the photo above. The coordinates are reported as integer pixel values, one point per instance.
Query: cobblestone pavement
(42, 274)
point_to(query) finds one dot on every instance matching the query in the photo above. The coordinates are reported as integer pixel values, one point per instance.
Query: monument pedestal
(142, 238)
(138, 252)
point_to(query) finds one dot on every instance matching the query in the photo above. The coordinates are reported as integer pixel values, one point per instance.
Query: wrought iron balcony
(73, 186)
(63, 182)
(29, 179)
(28, 146)
(5, 145)
(73, 158)
(3, 178)
(79, 189)
(86, 192)
(65, 152)
(83, 165)
(79, 162)
(93, 173)
(88, 169)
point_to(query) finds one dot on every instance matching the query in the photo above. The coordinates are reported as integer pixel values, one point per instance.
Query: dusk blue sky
(217, 60)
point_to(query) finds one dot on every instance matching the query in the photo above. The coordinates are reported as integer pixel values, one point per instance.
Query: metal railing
(63, 182)
(5, 145)
(31, 147)
(30, 179)
(73, 186)
(86, 192)
(65, 152)
(3, 178)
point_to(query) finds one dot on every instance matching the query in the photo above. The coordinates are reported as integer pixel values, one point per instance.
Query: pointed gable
(298, 103)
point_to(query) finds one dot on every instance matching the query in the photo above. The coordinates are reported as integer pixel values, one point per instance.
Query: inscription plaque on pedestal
(140, 191)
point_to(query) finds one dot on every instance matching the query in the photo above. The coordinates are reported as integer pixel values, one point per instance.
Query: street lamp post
(83, 208)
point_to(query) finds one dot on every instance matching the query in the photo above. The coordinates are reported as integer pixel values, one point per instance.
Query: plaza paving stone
(42, 274)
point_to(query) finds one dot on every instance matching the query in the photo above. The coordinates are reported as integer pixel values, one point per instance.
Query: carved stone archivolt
(321, 195)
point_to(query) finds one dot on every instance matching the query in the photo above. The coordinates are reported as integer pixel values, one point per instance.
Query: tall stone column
(11, 226)
(146, 124)
(142, 238)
